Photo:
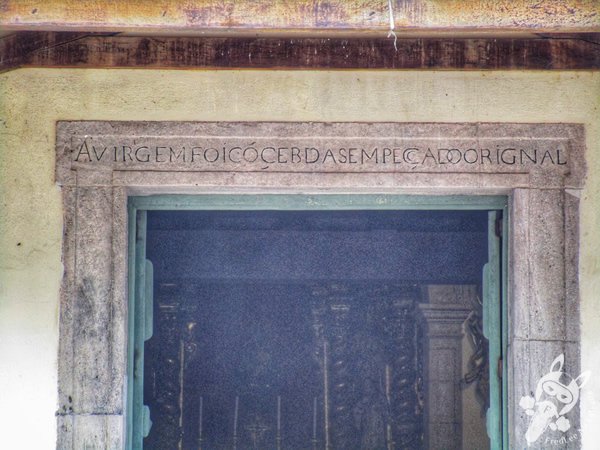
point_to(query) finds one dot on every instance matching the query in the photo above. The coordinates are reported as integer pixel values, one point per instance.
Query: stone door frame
(543, 236)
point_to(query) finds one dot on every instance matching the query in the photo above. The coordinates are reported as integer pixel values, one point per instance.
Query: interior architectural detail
(445, 312)
(537, 168)
(478, 364)
(297, 329)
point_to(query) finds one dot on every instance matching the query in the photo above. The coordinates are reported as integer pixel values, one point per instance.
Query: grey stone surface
(541, 149)
(118, 331)
(547, 264)
(543, 277)
(142, 183)
(93, 326)
(65, 350)
(91, 432)
(98, 390)
(532, 359)
(519, 267)
(572, 310)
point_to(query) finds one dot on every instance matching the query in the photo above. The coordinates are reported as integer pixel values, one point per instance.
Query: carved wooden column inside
(444, 316)
(371, 366)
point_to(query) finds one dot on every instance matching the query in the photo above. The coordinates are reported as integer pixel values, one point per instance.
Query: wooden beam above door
(80, 50)
(373, 18)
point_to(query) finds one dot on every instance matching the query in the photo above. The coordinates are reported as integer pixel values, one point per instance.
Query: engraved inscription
(318, 155)
(549, 150)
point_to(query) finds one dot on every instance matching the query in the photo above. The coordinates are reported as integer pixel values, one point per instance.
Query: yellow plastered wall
(32, 100)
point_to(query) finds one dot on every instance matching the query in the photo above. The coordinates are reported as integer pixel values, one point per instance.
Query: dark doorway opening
(306, 329)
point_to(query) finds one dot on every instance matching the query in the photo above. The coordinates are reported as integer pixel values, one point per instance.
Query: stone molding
(541, 155)
(444, 320)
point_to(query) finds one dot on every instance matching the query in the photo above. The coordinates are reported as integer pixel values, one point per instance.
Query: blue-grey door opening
(325, 282)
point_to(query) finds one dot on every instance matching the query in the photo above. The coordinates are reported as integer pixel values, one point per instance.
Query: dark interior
(296, 329)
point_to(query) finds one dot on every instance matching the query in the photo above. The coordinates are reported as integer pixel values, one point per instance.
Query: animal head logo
(556, 394)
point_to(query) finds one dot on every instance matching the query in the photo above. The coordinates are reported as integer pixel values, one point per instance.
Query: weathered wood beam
(16, 48)
(308, 17)
(275, 53)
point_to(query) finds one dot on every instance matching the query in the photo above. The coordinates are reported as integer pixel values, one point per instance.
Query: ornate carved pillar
(444, 316)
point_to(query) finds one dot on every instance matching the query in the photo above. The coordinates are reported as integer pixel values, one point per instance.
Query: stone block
(93, 432)
(542, 150)
(65, 350)
(100, 375)
(547, 265)
(572, 310)
(529, 362)
(519, 288)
